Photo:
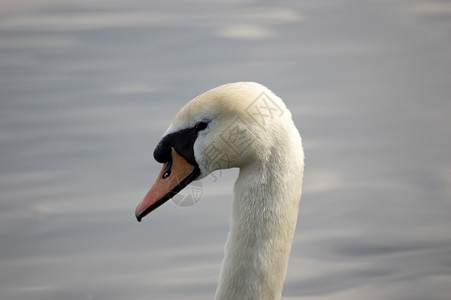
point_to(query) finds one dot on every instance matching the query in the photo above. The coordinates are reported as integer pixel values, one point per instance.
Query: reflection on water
(88, 87)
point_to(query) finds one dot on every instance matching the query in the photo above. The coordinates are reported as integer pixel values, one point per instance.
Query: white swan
(241, 125)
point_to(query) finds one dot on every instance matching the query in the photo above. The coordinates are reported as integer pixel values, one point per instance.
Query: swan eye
(200, 126)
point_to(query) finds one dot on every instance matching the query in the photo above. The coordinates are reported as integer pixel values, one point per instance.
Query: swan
(239, 125)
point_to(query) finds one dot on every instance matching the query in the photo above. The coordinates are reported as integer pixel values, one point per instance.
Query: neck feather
(264, 214)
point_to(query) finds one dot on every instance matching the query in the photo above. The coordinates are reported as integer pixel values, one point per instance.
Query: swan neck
(264, 214)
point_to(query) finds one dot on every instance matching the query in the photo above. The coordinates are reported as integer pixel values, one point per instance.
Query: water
(88, 87)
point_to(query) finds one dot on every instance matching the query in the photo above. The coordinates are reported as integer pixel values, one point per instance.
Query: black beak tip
(138, 217)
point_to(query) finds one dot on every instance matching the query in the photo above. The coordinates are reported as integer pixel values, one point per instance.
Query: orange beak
(174, 176)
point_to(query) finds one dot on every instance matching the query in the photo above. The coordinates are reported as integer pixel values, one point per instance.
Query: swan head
(230, 126)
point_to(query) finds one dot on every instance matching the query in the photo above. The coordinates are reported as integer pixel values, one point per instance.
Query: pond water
(87, 88)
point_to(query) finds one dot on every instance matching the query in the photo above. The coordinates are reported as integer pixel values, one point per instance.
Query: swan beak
(174, 176)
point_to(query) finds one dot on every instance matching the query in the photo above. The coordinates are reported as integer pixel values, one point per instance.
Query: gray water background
(88, 87)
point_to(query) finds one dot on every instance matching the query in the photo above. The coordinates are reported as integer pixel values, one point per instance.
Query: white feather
(250, 128)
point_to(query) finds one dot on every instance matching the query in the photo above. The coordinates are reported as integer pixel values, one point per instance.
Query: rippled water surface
(88, 87)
